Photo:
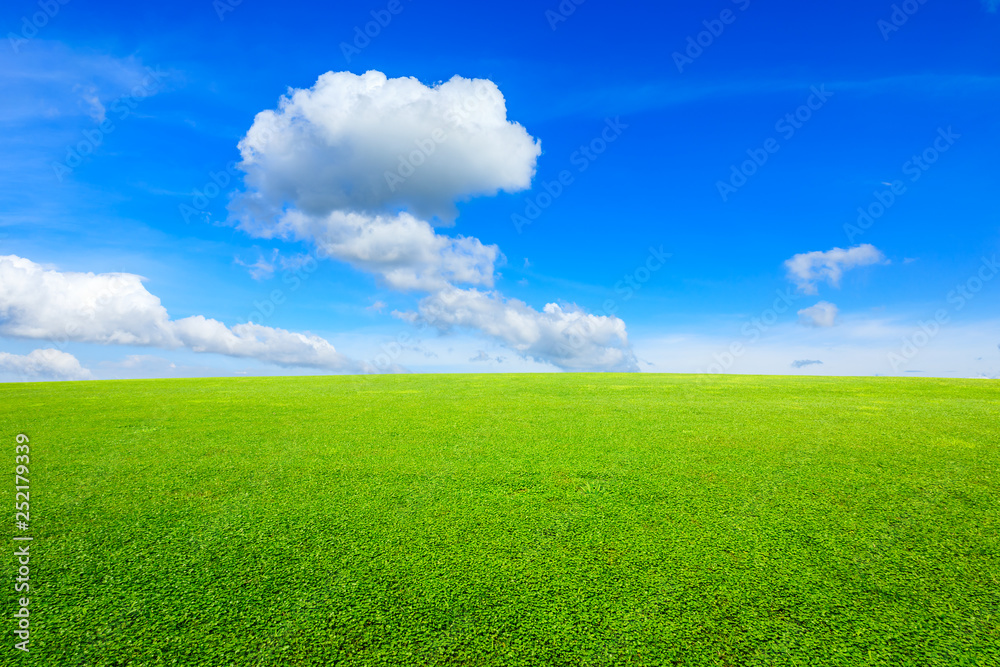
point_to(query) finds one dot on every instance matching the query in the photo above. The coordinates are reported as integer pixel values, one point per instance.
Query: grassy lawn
(510, 520)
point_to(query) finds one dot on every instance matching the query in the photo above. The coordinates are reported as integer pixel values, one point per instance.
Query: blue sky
(117, 118)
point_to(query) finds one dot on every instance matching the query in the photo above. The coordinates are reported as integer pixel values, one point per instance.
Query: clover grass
(511, 520)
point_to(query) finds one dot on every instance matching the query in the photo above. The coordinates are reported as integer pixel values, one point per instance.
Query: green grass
(511, 520)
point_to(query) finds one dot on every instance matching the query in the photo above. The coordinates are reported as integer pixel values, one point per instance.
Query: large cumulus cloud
(367, 143)
(360, 166)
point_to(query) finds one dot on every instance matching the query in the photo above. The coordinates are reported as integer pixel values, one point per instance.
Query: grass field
(510, 520)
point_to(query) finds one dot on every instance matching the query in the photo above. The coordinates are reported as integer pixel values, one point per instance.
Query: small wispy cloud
(991, 5)
(42, 81)
(801, 363)
(823, 314)
(92, 101)
(482, 356)
(808, 268)
(299, 261)
(147, 365)
(134, 360)
(263, 268)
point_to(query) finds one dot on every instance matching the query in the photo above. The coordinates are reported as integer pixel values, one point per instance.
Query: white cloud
(116, 309)
(359, 165)
(48, 364)
(372, 144)
(806, 269)
(566, 337)
(299, 261)
(263, 268)
(140, 360)
(401, 249)
(991, 5)
(823, 314)
(42, 81)
(92, 100)
(254, 341)
(99, 308)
